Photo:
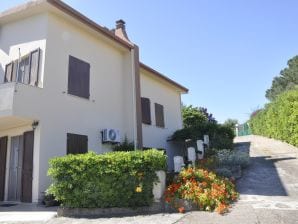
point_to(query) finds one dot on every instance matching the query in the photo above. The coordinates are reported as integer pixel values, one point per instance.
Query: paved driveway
(268, 188)
(268, 192)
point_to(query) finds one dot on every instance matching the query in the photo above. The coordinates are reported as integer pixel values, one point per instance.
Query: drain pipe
(134, 99)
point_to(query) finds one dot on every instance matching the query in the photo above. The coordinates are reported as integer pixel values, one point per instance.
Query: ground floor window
(76, 144)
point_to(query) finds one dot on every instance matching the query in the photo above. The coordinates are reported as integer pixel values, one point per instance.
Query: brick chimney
(120, 30)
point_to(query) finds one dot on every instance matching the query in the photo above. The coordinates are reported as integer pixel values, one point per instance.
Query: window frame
(71, 87)
(11, 72)
(146, 115)
(159, 117)
(15, 72)
(79, 138)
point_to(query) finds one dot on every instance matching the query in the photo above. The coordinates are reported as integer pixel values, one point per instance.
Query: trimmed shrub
(279, 119)
(116, 179)
(221, 137)
(202, 188)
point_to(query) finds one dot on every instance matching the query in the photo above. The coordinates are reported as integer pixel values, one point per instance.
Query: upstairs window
(159, 115)
(77, 144)
(146, 113)
(78, 77)
(24, 70)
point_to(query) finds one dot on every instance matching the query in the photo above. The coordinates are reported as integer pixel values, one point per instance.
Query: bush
(232, 158)
(220, 136)
(279, 119)
(203, 188)
(116, 179)
(126, 145)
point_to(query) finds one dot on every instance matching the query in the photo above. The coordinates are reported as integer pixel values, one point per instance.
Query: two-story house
(64, 80)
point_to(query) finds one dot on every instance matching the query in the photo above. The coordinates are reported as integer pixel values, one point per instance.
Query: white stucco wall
(159, 92)
(111, 91)
(110, 104)
(18, 39)
(22, 36)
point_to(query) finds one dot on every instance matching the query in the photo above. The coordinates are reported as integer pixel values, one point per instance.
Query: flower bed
(203, 189)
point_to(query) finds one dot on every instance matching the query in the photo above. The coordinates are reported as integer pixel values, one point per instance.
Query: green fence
(243, 129)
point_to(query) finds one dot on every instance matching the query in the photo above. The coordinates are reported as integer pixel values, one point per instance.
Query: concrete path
(26, 213)
(268, 188)
(268, 193)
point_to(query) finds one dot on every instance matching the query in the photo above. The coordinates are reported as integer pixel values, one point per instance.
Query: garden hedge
(116, 179)
(221, 136)
(279, 119)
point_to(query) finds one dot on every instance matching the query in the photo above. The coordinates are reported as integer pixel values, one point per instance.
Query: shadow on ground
(261, 177)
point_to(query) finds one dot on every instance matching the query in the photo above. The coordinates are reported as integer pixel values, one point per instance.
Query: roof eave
(163, 77)
(74, 13)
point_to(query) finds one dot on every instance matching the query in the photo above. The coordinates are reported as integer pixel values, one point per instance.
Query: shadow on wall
(261, 177)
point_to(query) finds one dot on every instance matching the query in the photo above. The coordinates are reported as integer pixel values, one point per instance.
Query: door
(15, 169)
(3, 152)
(27, 170)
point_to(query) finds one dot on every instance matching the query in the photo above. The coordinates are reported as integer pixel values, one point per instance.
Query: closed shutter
(78, 77)
(77, 144)
(8, 72)
(14, 71)
(146, 112)
(27, 168)
(159, 115)
(3, 151)
(34, 66)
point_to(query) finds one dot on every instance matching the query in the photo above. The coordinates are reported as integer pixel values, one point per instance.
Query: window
(146, 113)
(26, 71)
(34, 66)
(8, 72)
(23, 70)
(77, 144)
(159, 115)
(78, 77)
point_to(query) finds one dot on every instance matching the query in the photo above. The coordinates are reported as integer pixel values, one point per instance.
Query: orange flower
(181, 210)
(168, 200)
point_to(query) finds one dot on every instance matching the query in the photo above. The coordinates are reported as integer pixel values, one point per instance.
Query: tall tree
(193, 116)
(287, 80)
(231, 123)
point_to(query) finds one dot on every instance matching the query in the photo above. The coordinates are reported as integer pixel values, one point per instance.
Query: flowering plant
(203, 188)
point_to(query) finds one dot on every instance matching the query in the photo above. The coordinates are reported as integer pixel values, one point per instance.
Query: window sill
(151, 125)
(20, 83)
(78, 97)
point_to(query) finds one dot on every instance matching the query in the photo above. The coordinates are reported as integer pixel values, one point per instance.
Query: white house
(64, 80)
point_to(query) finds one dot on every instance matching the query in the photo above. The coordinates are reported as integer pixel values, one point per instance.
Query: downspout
(134, 114)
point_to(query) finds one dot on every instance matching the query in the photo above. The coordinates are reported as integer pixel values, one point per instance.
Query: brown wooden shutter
(146, 112)
(34, 67)
(27, 168)
(3, 152)
(14, 71)
(8, 72)
(159, 115)
(77, 144)
(78, 77)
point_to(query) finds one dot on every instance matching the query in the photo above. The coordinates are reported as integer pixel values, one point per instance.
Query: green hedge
(279, 119)
(116, 179)
(221, 136)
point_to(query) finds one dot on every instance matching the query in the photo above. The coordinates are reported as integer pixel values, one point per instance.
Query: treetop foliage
(287, 80)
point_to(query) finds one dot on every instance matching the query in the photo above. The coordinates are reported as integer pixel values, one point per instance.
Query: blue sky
(225, 52)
